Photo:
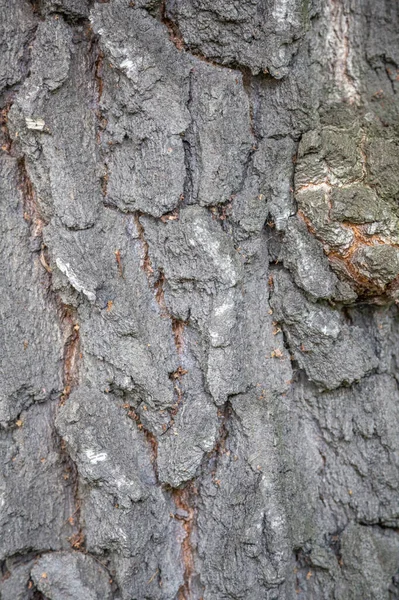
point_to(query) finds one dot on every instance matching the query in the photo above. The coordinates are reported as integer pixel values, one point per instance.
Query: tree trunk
(200, 278)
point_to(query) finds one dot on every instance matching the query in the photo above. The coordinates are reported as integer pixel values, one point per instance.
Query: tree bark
(199, 207)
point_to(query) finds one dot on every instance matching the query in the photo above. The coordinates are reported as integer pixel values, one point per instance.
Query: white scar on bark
(95, 457)
(338, 50)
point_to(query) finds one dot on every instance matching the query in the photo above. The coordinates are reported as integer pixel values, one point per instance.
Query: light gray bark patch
(124, 509)
(361, 464)
(147, 175)
(36, 500)
(182, 447)
(71, 575)
(303, 255)
(17, 24)
(70, 8)
(15, 584)
(261, 36)
(145, 155)
(202, 285)
(206, 253)
(61, 156)
(221, 137)
(252, 535)
(331, 352)
(121, 322)
(370, 558)
(85, 423)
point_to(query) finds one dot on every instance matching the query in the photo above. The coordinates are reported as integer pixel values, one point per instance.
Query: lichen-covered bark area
(199, 356)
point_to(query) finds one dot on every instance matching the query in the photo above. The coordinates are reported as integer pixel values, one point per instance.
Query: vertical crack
(247, 82)
(98, 67)
(157, 284)
(210, 461)
(6, 141)
(149, 436)
(70, 336)
(189, 193)
(67, 314)
(174, 32)
(70, 328)
(184, 500)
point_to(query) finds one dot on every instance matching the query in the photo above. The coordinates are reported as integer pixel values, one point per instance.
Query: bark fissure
(184, 501)
(205, 198)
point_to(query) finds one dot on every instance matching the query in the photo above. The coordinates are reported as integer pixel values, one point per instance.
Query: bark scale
(199, 323)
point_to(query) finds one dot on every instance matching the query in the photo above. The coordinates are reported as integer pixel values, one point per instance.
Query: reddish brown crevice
(342, 258)
(220, 448)
(176, 378)
(149, 436)
(70, 336)
(33, 216)
(31, 209)
(173, 215)
(67, 314)
(35, 6)
(159, 288)
(76, 539)
(160, 294)
(98, 68)
(98, 73)
(6, 141)
(71, 358)
(184, 500)
(174, 32)
(146, 264)
(177, 324)
(118, 258)
(72, 355)
(222, 211)
(178, 327)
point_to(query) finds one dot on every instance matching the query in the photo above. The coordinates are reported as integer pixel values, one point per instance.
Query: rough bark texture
(199, 212)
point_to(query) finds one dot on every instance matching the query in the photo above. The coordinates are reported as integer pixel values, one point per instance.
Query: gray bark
(199, 212)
